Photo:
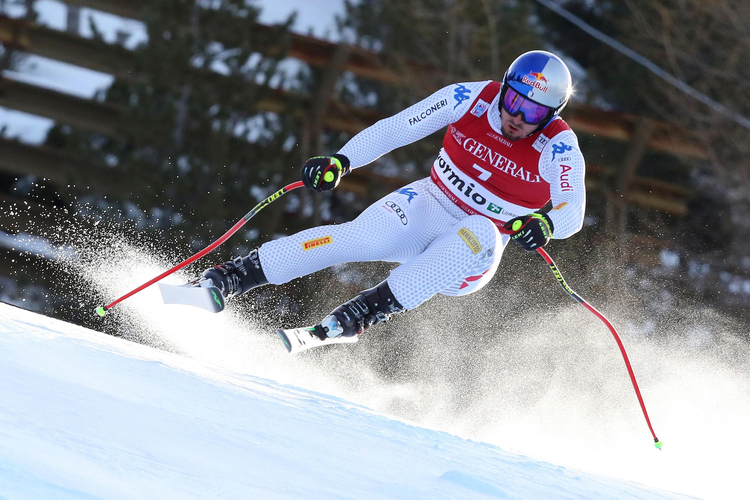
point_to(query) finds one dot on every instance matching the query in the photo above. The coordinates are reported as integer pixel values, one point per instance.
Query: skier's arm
(426, 117)
(563, 166)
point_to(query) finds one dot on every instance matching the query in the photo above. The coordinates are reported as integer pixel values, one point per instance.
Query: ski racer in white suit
(505, 155)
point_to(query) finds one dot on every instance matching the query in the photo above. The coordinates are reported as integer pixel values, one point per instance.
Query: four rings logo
(395, 208)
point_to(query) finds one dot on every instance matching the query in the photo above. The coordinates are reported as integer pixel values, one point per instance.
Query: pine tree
(198, 151)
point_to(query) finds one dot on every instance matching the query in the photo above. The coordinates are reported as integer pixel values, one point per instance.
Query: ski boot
(236, 276)
(370, 307)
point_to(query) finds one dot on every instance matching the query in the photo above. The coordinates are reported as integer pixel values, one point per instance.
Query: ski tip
(209, 298)
(282, 334)
(101, 311)
(657, 443)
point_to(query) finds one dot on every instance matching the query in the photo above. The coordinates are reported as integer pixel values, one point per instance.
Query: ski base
(301, 339)
(205, 297)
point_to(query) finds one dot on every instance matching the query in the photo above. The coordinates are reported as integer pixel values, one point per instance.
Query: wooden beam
(133, 9)
(661, 187)
(655, 202)
(646, 183)
(587, 119)
(112, 120)
(23, 159)
(66, 47)
(60, 167)
(627, 170)
(644, 193)
(361, 62)
(86, 114)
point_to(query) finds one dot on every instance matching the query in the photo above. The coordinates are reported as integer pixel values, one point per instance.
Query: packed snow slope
(88, 415)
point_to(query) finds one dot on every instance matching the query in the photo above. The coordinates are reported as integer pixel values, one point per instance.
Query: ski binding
(203, 295)
(301, 339)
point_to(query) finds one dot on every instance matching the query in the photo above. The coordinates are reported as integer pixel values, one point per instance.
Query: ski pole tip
(657, 443)
(101, 311)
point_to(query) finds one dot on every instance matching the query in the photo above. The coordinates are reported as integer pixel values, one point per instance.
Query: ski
(301, 339)
(205, 297)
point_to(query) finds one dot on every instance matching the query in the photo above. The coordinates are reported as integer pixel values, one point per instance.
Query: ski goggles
(532, 113)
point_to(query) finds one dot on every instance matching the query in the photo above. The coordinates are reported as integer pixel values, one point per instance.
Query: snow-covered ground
(86, 415)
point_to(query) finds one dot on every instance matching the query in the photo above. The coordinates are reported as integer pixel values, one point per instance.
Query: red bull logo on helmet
(539, 81)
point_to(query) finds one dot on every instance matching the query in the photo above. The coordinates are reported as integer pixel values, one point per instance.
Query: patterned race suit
(443, 229)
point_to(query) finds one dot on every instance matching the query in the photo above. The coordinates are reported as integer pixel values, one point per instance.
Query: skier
(505, 155)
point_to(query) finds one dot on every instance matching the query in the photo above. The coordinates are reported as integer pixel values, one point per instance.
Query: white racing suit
(443, 229)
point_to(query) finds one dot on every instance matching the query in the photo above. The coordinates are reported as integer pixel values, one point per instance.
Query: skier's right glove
(323, 173)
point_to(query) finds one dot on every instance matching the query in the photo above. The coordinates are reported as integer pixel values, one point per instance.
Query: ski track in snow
(86, 415)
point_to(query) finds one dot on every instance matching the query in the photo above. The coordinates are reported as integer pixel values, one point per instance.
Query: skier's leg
(459, 261)
(394, 229)
(476, 278)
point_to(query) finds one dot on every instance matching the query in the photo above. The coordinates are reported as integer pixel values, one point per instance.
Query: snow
(87, 415)
(36, 245)
(316, 17)
(59, 76)
(25, 127)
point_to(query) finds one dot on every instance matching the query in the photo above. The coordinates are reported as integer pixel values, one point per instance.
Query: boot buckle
(239, 265)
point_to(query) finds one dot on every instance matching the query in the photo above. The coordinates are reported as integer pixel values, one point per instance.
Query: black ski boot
(370, 307)
(237, 276)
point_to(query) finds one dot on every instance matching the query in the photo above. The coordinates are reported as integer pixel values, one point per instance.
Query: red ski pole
(102, 310)
(599, 315)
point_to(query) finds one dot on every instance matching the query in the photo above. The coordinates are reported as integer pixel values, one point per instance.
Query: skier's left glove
(323, 173)
(531, 231)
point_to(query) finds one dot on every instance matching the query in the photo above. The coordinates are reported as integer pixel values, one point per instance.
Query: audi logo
(398, 211)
